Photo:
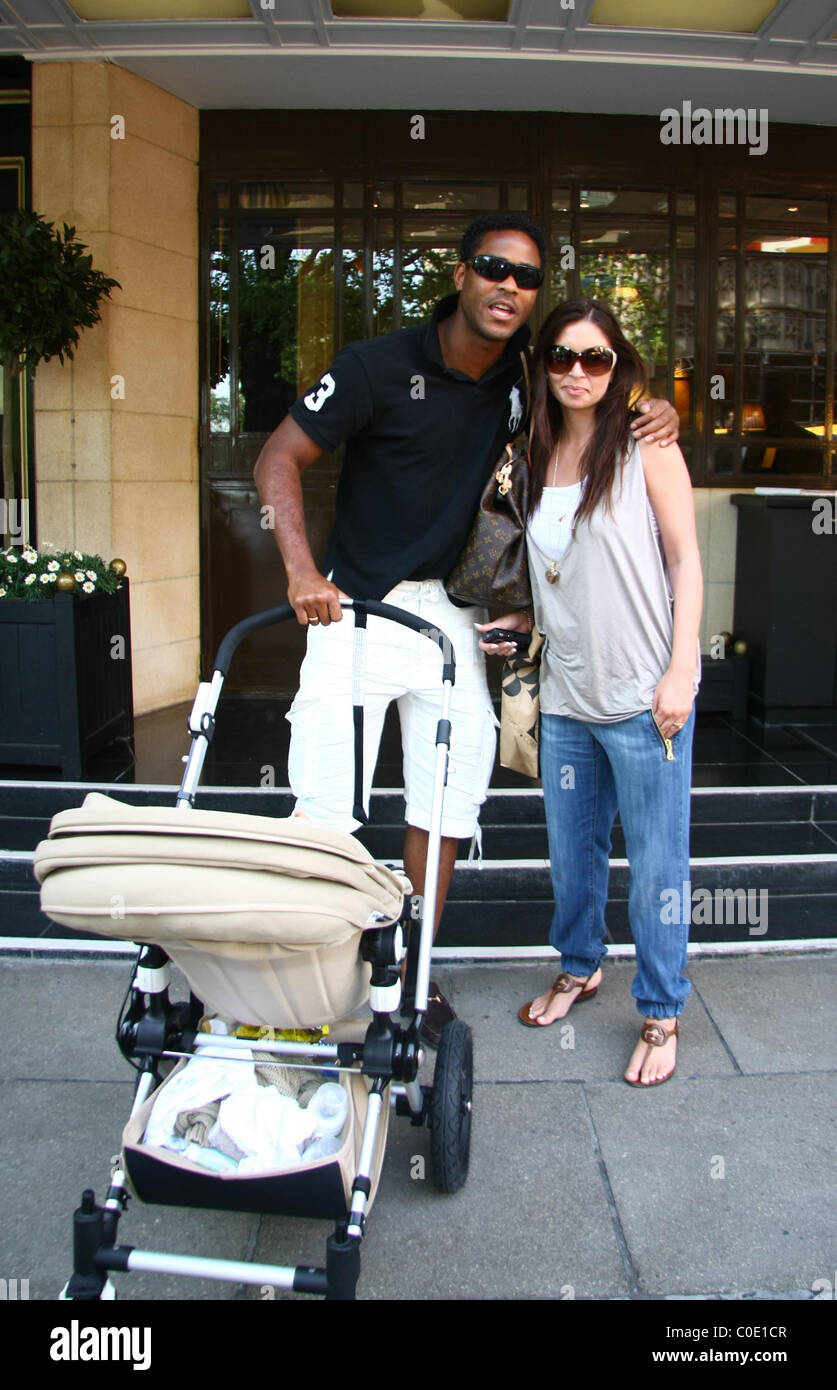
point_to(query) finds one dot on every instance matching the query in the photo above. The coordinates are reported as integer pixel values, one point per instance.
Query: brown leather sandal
(563, 985)
(655, 1035)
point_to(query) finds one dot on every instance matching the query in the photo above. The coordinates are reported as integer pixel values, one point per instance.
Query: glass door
(292, 271)
(270, 332)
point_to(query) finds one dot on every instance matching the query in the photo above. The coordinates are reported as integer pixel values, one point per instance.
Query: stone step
(781, 843)
(510, 903)
(26, 808)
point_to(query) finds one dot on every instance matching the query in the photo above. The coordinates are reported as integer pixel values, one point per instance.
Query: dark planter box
(723, 685)
(786, 608)
(65, 686)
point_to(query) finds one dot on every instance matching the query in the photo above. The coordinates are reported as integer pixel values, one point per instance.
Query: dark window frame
(559, 151)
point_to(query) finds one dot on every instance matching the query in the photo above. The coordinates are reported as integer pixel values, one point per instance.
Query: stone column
(116, 429)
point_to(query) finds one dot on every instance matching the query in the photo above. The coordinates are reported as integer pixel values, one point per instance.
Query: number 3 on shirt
(318, 397)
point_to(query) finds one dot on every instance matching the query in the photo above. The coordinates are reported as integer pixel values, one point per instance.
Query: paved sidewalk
(719, 1184)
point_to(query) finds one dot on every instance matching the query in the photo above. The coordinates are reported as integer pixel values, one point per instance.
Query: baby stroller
(286, 928)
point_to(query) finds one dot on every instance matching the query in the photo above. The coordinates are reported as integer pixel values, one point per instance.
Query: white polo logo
(317, 398)
(516, 409)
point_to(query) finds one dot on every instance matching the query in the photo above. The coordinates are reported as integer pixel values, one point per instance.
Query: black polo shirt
(420, 442)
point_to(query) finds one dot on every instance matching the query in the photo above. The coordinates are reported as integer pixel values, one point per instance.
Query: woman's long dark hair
(608, 446)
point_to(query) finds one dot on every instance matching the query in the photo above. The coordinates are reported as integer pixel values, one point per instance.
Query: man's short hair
(500, 222)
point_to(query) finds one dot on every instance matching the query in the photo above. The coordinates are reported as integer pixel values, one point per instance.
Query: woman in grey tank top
(617, 590)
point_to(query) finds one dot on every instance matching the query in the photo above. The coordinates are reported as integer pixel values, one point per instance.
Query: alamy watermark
(723, 907)
(824, 1288)
(79, 1343)
(11, 520)
(722, 126)
(824, 516)
(13, 1290)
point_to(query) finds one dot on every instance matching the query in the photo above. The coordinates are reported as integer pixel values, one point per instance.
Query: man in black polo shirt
(424, 413)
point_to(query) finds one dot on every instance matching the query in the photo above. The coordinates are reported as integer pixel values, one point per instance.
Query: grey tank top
(607, 618)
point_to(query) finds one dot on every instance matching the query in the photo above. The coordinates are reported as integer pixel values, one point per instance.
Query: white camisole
(550, 527)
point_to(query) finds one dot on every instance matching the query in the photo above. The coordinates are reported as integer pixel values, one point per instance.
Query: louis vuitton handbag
(492, 569)
(520, 709)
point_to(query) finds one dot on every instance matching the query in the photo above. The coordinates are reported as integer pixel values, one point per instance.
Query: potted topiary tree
(65, 642)
(49, 291)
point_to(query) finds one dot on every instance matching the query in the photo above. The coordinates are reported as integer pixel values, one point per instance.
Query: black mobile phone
(502, 634)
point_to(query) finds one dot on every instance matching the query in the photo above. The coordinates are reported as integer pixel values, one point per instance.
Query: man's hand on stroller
(314, 598)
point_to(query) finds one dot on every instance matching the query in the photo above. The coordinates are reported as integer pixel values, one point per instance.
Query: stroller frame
(154, 1028)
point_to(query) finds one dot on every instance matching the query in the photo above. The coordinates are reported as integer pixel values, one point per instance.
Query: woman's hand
(513, 622)
(673, 701)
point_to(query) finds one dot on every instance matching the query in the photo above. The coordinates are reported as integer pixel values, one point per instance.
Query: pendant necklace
(551, 571)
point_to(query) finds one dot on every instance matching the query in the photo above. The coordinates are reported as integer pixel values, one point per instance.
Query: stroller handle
(201, 724)
(369, 606)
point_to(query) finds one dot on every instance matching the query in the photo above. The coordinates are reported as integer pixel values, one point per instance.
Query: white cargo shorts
(404, 666)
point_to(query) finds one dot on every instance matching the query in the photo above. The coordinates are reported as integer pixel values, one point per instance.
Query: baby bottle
(329, 1106)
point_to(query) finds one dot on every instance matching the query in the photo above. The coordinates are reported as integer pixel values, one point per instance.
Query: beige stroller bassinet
(286, 929)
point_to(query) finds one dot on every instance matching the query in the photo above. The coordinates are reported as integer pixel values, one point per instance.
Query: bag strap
(525, 358)
(524, 362)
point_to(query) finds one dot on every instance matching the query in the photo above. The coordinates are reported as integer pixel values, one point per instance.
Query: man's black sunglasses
(526, 277)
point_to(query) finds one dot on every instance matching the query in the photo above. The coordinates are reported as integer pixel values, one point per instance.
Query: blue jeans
(588, 772)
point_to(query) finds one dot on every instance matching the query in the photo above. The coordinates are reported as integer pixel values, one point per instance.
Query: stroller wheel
(450, 1107)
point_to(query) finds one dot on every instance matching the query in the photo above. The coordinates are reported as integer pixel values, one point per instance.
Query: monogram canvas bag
(520, 709)
(492, 569)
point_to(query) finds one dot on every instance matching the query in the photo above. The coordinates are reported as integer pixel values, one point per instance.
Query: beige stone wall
(120, 476)
(717, 523)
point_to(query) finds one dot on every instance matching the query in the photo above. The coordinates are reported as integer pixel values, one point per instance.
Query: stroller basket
(320, 1188)
(285, 927)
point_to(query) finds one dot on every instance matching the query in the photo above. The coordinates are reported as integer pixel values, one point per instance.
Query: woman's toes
(537, 1006)
(634, 1066)
(649, 1064)
(660, 1061)
(553, 1006)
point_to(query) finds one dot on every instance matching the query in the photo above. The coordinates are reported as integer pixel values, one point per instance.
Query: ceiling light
(784, 245)
(133, 10)
(481, 11)
(709, 16)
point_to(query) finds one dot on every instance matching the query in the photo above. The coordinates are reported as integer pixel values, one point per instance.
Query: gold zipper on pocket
(666, 742)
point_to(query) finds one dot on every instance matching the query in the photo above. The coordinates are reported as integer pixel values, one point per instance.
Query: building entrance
(321, 228)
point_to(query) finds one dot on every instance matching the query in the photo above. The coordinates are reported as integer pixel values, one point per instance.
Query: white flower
(30, 556)
(45, 578)
(53, 566)
(2, 593)
(78, 554)
(51, 578)
(78, 576)
(88, 588)
(30, 579)
(91, 574)
(12, 559)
